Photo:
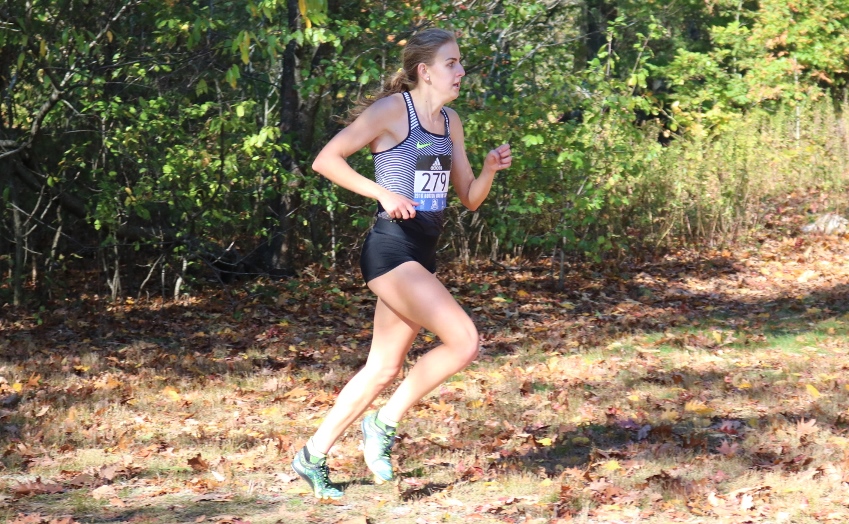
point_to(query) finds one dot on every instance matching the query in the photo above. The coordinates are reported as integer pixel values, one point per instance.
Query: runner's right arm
(373, 125)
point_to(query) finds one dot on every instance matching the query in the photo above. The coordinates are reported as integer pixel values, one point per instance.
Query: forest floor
(707, 386)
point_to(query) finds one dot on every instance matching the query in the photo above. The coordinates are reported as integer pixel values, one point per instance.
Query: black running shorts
(388, 245)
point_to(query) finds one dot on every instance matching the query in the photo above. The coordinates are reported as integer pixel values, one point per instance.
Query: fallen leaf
(804, 427)
(26, 489)
(355, 520)
(296, 393)
(198, 464)
(727, 449)
(171, 393)
(813, 392)
(611, 465)
(698, 407)
(103, 492)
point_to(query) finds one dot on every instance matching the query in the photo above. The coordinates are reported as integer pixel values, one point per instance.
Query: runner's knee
(382, 374)
(468, 345)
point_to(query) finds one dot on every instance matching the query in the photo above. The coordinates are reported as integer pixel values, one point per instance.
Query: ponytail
(421, 48)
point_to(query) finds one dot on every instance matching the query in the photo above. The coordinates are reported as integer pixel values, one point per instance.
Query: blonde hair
(421, 48)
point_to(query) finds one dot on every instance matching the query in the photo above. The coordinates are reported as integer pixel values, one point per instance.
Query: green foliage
(168, 132)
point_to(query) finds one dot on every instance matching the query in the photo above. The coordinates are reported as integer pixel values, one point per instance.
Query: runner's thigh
(414, 293)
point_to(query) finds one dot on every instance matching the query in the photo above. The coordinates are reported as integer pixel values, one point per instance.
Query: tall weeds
(716, 186)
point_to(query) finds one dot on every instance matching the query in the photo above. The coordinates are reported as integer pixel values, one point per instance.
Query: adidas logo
(436, 165)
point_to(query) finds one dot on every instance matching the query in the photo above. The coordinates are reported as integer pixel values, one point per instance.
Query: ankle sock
(312, 455)
(384, 423)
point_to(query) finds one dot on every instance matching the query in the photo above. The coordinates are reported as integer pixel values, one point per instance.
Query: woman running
(418, 147)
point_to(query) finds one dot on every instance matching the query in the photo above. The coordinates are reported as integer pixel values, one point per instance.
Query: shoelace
(324, 471)
(386, 440)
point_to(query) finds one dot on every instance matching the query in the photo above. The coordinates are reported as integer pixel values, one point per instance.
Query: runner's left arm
(473, 191)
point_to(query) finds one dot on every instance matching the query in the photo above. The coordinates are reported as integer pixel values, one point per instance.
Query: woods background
(147, 148)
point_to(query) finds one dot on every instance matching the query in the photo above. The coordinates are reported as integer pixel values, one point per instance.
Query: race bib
(431, 183)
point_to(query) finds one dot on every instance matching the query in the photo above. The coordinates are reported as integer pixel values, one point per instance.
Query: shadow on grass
(166, 509)
(158, 341)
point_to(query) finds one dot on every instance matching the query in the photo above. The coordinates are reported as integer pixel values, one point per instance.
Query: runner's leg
(415, 295)
(392, 338)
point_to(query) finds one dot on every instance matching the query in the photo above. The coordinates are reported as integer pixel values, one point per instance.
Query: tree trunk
(284, 238)
(18, 264)
(592, 24)
(297, 124)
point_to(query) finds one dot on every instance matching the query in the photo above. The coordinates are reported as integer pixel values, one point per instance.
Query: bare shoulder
(387, 107)
(386, 122)
(454, 122)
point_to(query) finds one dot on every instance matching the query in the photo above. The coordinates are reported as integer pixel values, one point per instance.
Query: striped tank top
(418, 168)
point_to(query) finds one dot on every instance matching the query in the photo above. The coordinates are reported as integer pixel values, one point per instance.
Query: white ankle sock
(385, 421)
(314, 452)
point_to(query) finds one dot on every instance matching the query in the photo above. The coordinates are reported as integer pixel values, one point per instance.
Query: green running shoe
(317, 476)
(376, 445)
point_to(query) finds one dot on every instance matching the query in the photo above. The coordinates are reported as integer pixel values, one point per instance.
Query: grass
(680, 409)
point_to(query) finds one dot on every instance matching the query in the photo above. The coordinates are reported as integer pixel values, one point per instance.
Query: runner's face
(446, 71)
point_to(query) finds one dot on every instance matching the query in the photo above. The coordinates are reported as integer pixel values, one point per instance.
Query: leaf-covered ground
(703, 387)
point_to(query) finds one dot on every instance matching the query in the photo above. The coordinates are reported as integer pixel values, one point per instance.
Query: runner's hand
(499, 158)
(398, 207)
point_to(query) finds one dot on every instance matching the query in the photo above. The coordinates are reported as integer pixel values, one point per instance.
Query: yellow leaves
(171, 394)
(244, 48)
(611, 465)
(670, 415)
(698, 407)
(568, 306)
(496, 375)
(270, 411)
(458, 385)
(717, 336)
(545, 441)
(812, 391)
